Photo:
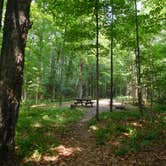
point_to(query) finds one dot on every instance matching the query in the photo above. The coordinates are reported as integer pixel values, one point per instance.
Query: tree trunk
(52, 74)
(62, 69)
(1, 12)
(97, 59)
(15, 32)
(111, 60)
(151, 97)
(138, 62)
(61, 79)
(80, 80)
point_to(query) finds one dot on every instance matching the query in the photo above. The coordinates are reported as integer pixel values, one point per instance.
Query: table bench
(82, 102)
(90, 103)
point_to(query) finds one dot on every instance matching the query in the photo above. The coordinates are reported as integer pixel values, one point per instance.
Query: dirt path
(79, 142)
(78, 146)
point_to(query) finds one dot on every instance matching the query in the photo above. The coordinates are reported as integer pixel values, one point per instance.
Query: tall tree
(15, 32)
(1, 12)
(111, 60)
(97, 59)
(138, 60)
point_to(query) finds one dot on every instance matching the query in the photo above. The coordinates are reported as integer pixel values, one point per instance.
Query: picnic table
(83, 102)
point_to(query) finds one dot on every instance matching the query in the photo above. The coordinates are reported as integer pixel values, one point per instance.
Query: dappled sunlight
(39, 105)
(43, 105)
(61, 151)
(60, 118)
(126, 134)
(93, 127)
(40, 129)
(132, 132)
(36, 156)
(136, 124)
(36, 125)
(50, 158)
(45, 117)
(64, 151)
(55, 156)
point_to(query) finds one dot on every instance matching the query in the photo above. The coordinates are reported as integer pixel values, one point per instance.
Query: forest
(82, 83)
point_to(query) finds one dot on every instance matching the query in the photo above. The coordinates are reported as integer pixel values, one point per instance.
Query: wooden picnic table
(83, 102)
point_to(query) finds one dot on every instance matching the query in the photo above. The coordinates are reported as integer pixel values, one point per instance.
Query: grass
(160, 108)
(39, 129)
(124, 132)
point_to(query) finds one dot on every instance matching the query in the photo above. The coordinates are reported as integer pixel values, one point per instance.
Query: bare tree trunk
(15, 32)
(52, 74)
(111, 60)
(1, 12)
(151, 96)
(138, 62)
(97, 59)
(62, 67)
(152, 79)
(80, 80)
(61, 80)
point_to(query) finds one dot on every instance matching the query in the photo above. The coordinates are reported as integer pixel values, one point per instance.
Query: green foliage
(103, 135)
(125, 129)
(38, 129)
(117, 116)
(160, 108)
(63, 35)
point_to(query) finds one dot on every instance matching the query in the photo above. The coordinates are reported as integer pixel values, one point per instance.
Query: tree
(111, 59)
(1, 12)
(97, 59)
(138, 61)
(16, 26)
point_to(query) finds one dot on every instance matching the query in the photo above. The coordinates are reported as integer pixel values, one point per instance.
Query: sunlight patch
(38, 105)
(126, 134)
(45, 117)
(94, 128)
(37, 125)
(36, 156)
(132, 132)
(64, 151)
(60, 118)
(136, 124)
(51, 158)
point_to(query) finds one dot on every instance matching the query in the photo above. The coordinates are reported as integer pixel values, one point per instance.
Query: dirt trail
(79, 147)
(81, 142)
(80, 129)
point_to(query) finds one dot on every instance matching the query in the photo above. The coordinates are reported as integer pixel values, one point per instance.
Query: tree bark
(111, 61)
(62, 69)
(15, 32)
(80, 80)
(1, 12)
(52, 74)
(97, 59)
(61, 79)
(138, 62)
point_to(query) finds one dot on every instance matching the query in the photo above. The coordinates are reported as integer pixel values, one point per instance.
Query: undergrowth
(38, 129)
(125, 133)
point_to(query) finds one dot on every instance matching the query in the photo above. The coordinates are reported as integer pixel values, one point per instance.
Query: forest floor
(78, 146)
